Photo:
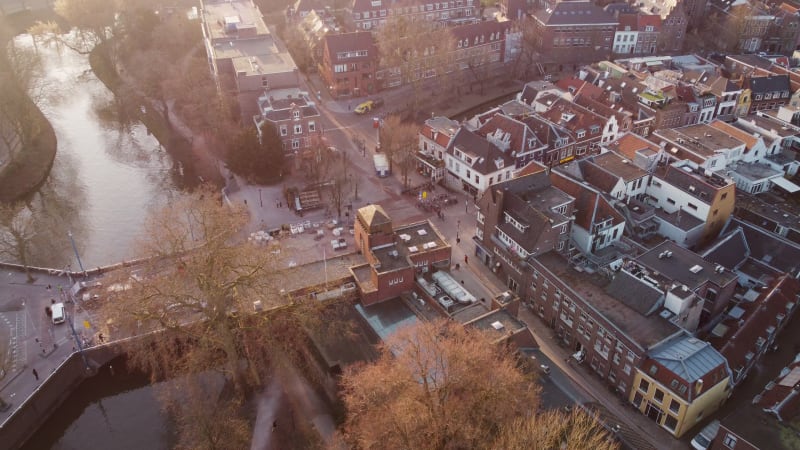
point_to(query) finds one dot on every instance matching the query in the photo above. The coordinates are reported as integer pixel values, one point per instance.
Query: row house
(769, 217)
(752, 326)
(589, 128)
(571, 33)
(395, 255)
(597, 226)
(693, 204)
(708, 146)
(243, 56)
(639, 151)
(473, 162)
(637, 34)
(367, 15)
(765, 93)
(625, 93)
(294, 116)
(680, 382)
(674, 18)
(623, 118)
(480, 50)
(516, 138)
(434, 138)
(349, 64)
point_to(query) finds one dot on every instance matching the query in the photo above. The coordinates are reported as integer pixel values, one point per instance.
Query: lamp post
(75, 249)
(77, 341)
(260, 201)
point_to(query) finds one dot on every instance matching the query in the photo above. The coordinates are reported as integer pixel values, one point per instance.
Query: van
(59, 315)
(703, 439)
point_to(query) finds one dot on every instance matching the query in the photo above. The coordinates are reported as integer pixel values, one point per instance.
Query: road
(36, 343)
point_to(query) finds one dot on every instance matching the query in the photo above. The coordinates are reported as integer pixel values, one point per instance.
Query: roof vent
(497, 325)
(696, 268)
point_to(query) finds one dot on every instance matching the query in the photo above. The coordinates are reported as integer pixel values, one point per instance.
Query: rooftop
(688, 357)
(684, 266)
(224, 18)
(702, 139)
(498, 324)
(645, 331)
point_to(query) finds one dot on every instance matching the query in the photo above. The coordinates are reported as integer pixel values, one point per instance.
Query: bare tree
(553, 429)
(93, 20)
(17, 231)
(436, 385)
(218, 309)
(399, 141)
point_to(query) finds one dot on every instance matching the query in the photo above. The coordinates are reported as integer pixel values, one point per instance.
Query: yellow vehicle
(365, 107)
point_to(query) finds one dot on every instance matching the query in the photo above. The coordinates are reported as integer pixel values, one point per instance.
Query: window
(284, 131)
(295, 144)
(653, 369)
(312, 127)
(659, 396)
(627, 369)
(341, 68)
(581, 133)
(644, 385)
(670, 422)
(296, 114)
(670, 201)
(674, 406)
(298, 129)
(730, 440)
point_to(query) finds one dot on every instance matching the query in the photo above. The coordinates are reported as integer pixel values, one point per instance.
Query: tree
(17, 231)
(436, 385)
(200, 293)
(417, 49)
(257, 158)
(399, 142)
(93, 19)
(554, 430)
(530, 44)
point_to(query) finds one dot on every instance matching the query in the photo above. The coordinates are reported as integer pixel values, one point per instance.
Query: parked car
(703, 439)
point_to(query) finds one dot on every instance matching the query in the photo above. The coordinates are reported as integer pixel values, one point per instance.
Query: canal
(108, 171)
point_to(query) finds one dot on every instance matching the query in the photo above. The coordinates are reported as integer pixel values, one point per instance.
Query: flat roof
(216, 13)
(701, 139)
(387, 317)
(645, 331)
(680, 220)
(264, 63)
(684, 266)
(497, 323)
(619, 166)
(754, 171)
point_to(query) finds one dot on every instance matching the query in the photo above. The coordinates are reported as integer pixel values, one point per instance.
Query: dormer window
(581, 133)
(296, 114)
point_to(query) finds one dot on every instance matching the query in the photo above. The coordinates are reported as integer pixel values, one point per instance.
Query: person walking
(36, 374)
(466, 259)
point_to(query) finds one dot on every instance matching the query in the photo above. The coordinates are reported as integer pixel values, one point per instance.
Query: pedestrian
(274, 425)
(49, 287)
(349, 106)
(36, 374)
(100, 337)
(466, 259)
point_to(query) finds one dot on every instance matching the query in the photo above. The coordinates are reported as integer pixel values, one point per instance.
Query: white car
(59, 314)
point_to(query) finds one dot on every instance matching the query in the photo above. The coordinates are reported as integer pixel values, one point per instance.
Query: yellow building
(743, 103)
(681, 382)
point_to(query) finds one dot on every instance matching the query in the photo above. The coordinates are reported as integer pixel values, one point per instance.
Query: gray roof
(730, 251)
(687, 357)
(575, 13)
(635, 293)
(487, 154)
(678, 265)
(772, 83)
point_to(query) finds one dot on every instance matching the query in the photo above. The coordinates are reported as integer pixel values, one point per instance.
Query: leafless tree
(17, 231)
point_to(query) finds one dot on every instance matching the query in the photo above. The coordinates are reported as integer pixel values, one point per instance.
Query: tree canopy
(258, 159)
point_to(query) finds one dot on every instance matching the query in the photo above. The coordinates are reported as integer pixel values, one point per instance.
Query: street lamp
(77, 341)
(75, 249)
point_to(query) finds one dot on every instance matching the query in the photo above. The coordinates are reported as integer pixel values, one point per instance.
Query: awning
(785, 184)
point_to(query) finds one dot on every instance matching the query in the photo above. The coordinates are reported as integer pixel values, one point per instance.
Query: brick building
(366, 15)
(349, 63)
(293, 114)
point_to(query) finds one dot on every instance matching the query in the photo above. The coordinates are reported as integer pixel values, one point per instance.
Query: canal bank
(28, 167)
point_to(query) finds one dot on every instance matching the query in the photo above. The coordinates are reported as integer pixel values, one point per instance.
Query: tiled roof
(590, 206)
(690, 184)
(749, 140)
(487, 154)
(350, 42)
(374, 215)
(771, 249)
(730, 251)
(688, 357)
(629, 144)
(642, 297)
(575, 118)
(574, 13)
(618, 166)
(768, 84)
(440, 130)
(518, 132)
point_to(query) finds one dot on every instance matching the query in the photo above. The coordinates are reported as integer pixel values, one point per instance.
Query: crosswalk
(16, 329)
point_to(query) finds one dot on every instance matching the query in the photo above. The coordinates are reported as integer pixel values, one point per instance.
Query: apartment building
(367, 15)
(349, 64)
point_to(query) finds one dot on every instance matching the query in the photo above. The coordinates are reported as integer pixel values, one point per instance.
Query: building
(684, 194)
(293, 114)
(366, 15)
(243, 55)
(767, 93)
(474, 162)
(395, 255)
(434, 138)
(571, 33)
(708, 146)
(680, 382)
(637, 34)
(349, 64)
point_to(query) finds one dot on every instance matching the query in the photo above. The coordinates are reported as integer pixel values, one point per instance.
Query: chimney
(698, 386)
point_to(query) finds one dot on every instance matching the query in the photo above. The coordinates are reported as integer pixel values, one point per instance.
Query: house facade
(349, 64)
(293, 114)
(367, 15)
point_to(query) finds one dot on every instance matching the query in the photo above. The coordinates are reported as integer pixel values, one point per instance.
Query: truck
(381, 164)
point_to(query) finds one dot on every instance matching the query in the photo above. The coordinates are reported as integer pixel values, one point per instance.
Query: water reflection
(107, 173)
(119, 411)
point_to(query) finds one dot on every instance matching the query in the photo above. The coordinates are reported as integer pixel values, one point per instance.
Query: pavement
(36, 343)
